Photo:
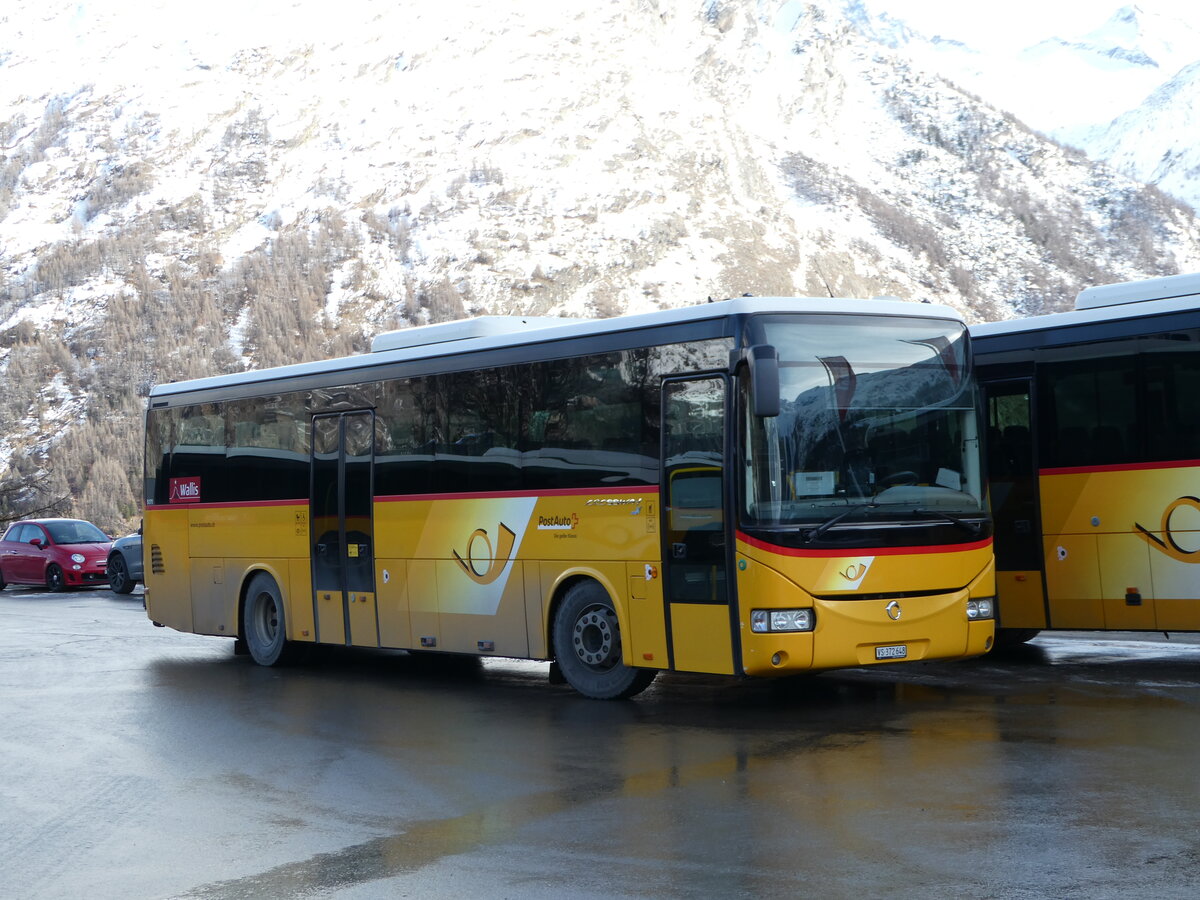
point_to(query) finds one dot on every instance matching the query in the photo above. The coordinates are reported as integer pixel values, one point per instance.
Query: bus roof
(1109, 303)
(495, 332)
(1137, 291)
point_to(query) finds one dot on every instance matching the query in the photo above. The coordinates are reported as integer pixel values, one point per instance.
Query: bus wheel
(1011, 637)
(587, 646)
(263, 623)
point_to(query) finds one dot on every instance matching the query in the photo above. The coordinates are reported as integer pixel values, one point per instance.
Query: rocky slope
(182, 198)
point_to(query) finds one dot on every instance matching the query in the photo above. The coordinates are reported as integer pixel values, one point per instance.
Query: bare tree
(26, 496)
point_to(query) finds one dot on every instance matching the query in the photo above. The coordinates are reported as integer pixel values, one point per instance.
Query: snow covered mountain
(186, 192)
(1159, 141)
(1117, 87)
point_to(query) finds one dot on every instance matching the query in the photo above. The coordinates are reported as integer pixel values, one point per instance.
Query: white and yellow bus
(753, 486)
(1093, 449)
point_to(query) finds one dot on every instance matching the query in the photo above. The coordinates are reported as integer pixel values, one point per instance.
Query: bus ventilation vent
(156, 560)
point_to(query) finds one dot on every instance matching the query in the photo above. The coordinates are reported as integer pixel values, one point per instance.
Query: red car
(59, 553)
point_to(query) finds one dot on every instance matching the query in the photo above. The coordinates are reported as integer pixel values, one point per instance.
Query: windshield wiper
(815, 533)
(972, 528)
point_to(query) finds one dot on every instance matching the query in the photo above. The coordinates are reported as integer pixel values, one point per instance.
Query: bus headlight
(980, 608)
(763, 621)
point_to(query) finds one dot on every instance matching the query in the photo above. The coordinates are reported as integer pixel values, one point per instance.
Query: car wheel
(118, 575)
(56, 581)
(587, 646)
(263, 625)
(3, 583)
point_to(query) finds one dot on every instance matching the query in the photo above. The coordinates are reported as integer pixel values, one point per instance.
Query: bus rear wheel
(263, 625)
(587, 646)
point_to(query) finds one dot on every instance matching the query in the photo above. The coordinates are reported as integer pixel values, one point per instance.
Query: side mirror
(763, 361)
(37, 542)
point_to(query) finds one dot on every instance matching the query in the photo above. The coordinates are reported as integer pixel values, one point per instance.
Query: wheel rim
(595, 638)
(266, 619)
(118, 568)
(56, 577)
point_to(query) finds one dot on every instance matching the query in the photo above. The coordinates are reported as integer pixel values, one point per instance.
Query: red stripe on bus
(490, 495)
(395, 498)
(241, 504)
(1122, 467)
(862, 551)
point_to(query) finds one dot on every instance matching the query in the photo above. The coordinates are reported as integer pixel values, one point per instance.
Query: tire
(56, 581)
(3, 583)
(263, 625)
(1012, 637)
(118, 575)
(587, 646)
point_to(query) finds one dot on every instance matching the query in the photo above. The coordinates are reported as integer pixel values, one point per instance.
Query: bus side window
(585, 422)
(199, 449)
(1091, 407)
(1171, 396)
(479, 452)
(405, 436)
(267, 447)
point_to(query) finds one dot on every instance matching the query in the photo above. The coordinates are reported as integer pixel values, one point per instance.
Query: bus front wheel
(263, 623)
(587, 646)
(1014, 637)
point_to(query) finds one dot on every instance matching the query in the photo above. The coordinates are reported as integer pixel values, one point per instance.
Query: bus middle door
(342, 530)
(694, 524)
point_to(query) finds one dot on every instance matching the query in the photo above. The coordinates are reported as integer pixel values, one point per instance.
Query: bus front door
(694, 524)
(342, 532)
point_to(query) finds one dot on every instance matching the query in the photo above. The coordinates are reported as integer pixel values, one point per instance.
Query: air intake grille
(156, 560)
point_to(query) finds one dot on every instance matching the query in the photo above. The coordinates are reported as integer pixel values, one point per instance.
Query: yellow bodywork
(1120, 549)
(199, 558)
(482, 574)
(1022, 603)
(850, 596)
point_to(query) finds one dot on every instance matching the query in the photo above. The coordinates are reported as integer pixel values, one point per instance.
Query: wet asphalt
(141, 763)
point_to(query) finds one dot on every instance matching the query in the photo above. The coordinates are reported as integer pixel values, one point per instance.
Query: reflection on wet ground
(1061, 768)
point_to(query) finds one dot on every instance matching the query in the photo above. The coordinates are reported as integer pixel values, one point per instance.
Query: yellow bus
(751, 487)
(1093, 443)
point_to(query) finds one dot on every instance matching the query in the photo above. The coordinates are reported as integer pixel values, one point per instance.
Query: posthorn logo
(481, 563)
(854, 571)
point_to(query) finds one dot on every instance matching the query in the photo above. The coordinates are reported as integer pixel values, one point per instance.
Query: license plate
(896, 651)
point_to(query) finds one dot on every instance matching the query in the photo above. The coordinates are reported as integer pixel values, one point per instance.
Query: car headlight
(981, 608)
(763, 621)
(77, 557)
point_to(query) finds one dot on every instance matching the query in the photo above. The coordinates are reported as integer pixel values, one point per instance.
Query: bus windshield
(877, 421)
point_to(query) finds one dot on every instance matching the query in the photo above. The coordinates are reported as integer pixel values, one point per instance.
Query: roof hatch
(1136, 291)
(463, 329)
